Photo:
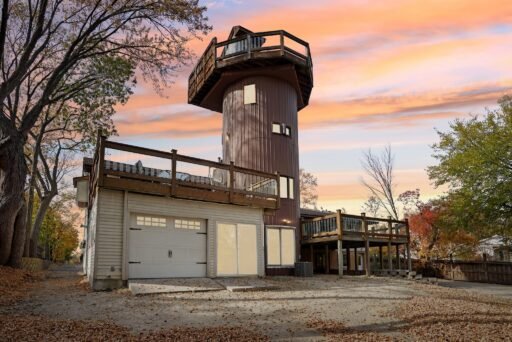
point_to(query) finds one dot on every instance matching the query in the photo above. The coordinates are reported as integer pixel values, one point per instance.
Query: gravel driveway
(319, 308)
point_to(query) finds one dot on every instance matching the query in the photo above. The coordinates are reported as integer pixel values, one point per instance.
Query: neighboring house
(242, 217)
(497, 248)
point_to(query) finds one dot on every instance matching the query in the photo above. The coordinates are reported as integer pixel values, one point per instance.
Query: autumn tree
(433, 233)
(475, 161)
(308, 184)
(48, 52)
(58, 238)
(381, 181)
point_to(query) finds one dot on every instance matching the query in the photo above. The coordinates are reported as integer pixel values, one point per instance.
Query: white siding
(91, 237)
(211, 212)
(109, 235)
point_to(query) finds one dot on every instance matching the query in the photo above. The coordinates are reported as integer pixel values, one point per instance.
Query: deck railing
(253, 45)
(339, 224)
(226, 183)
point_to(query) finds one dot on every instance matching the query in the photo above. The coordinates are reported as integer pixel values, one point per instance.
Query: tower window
(250, 94)
(287, 131)
(280, 128)
(286, 187)
(276, 128)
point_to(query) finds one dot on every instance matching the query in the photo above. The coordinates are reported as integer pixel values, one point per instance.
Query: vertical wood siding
(247, 137)
(91, 239)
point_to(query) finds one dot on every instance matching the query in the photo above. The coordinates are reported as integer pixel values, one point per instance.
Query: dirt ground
(320, 308)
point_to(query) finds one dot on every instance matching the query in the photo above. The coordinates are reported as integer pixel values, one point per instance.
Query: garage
(237, 252)
(166, 247)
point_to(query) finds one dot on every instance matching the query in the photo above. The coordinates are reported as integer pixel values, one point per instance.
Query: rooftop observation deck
(355, 230)
(178, 176)
(248, 52)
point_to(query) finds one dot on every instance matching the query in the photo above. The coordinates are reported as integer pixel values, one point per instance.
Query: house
(497, 248)
(157, 214)
(180, 216)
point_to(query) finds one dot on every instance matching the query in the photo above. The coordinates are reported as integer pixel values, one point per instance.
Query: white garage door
(237, 252)
(164, 247)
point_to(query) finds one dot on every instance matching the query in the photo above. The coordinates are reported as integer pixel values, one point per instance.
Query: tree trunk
(13, 175)
(38, 222)
(18, 241)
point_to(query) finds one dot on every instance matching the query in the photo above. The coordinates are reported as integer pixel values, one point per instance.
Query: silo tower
(259, 81)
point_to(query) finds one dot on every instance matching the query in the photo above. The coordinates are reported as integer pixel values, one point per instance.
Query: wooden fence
(496, 272)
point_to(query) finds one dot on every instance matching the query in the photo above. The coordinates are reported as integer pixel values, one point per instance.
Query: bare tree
(308, 184)
(372, 206)
(379, 169)
(52, 50)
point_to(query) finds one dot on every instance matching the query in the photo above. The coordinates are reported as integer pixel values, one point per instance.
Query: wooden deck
(338, 230)
(234, 185)
(255, 50)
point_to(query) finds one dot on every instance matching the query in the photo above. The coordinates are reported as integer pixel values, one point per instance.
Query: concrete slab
(172, 285)
(245, 284)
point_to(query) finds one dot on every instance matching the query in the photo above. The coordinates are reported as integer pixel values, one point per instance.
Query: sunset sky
(385, 72)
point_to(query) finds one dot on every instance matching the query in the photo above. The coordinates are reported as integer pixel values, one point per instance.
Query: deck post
(327, 261)
(380, 258)
(101, 160)
(356, 260)
(231, 180)
(398, 257)
(390, 232)
(173, 171)
(366, 246)
(347, 253)
(408, 246)
(339, 228)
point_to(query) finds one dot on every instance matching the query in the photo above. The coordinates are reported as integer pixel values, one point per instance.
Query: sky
(385, 72)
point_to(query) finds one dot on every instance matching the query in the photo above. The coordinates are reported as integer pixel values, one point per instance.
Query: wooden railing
(251, 45)
(232, 184)
(344, 225)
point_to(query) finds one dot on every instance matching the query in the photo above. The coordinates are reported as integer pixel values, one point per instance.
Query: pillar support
(366, 245)
(380, 258)
(408, 246)
(348, 258)
(339, 227)
(327, 259)
(390, 232)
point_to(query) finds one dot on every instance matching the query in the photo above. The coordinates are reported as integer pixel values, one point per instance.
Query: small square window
(250, 94)
(276, 128)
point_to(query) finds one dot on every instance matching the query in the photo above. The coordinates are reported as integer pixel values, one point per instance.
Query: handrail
(247, 184)
(199, 75)
(328, 226)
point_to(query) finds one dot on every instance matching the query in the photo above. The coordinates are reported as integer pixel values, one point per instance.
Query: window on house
(280, 246)
(276, 128)
(250, 94)
(280, 128)
(151, 221)
(286, 187)
(187, 224)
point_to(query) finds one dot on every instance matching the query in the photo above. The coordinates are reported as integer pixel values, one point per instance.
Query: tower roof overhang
(245, 53)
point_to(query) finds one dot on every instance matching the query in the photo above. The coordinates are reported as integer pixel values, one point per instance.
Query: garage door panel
(148, 250)
(226, 249)
(247, 249)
